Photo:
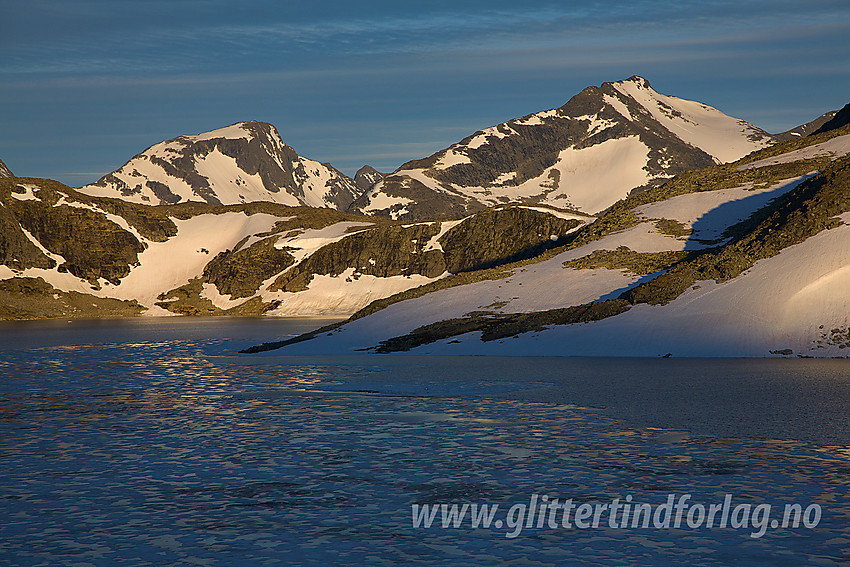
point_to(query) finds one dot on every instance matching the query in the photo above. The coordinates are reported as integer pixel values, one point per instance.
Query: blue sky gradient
(85, 85)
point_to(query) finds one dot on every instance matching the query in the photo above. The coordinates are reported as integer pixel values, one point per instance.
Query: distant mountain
(603, 144)
(241, 163)
(807, 128)
(67, 254)
(749, 258)
(839, 119)
(367, 176)
(4, 171)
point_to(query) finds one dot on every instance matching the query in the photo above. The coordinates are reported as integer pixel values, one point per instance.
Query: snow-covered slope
(733, 260)
(722, 137)
(603, 144)
(247, 259)
(241, 163)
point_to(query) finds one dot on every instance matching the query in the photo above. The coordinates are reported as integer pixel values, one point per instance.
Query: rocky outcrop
(807, 128)
(188, 300)
(502, 235)
(239, 274)
(33, 298)
(841, 118)
(16, 250)
(5, 171)
(92, 246)
(383, 252)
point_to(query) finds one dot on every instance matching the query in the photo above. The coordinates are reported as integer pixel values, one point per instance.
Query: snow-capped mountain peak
(603, 144)
(367, 176)
(243, 162)
(702, 126)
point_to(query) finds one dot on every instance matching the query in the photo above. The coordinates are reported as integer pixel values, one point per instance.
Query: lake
(152, 442)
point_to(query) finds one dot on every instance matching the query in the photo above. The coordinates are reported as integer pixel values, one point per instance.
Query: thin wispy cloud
(554, 51)
(171, 48)
(342, 79)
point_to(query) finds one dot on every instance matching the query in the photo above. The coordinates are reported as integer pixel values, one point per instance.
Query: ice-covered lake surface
(151, 442)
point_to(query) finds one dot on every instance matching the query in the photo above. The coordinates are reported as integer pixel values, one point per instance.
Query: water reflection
(157, 453)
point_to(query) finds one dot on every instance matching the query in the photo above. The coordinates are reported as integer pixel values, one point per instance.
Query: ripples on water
(155, 452)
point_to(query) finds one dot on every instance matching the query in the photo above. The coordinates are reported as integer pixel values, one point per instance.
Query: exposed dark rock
(494, 327)
(187, 300)
(638, 263)
(5, 171)
(487, 239)
(841, 118)
(783, 352)
(383, 252)
(366, 177)
(424, 204)
(240, 273)
(673, 228)
(16, 250)
(502, 235)
(33, 298)
(163, 193)
(805, 129)
(93, 246)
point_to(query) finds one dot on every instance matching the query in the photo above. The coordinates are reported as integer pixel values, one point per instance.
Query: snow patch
(445, 226)
(537, 119)
(560, 214)
(210, 291)
(340, 295)
(197, 241)
(721, 136)
(28, 194)
(232, 132)
(316, 183)
(491, 132)
(451, 158)
(303, 244)
(380, 201)
(593, 184)
(231, 185)
(618, 105)
(833, 149)
(504, 178)
(586, 179)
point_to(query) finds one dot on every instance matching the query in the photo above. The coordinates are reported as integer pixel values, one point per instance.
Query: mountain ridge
(633, 271)
(495, 270)
(243, 162)
(561, 157)
(197, 258)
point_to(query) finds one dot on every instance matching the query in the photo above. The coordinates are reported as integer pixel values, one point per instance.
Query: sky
(87, 84)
